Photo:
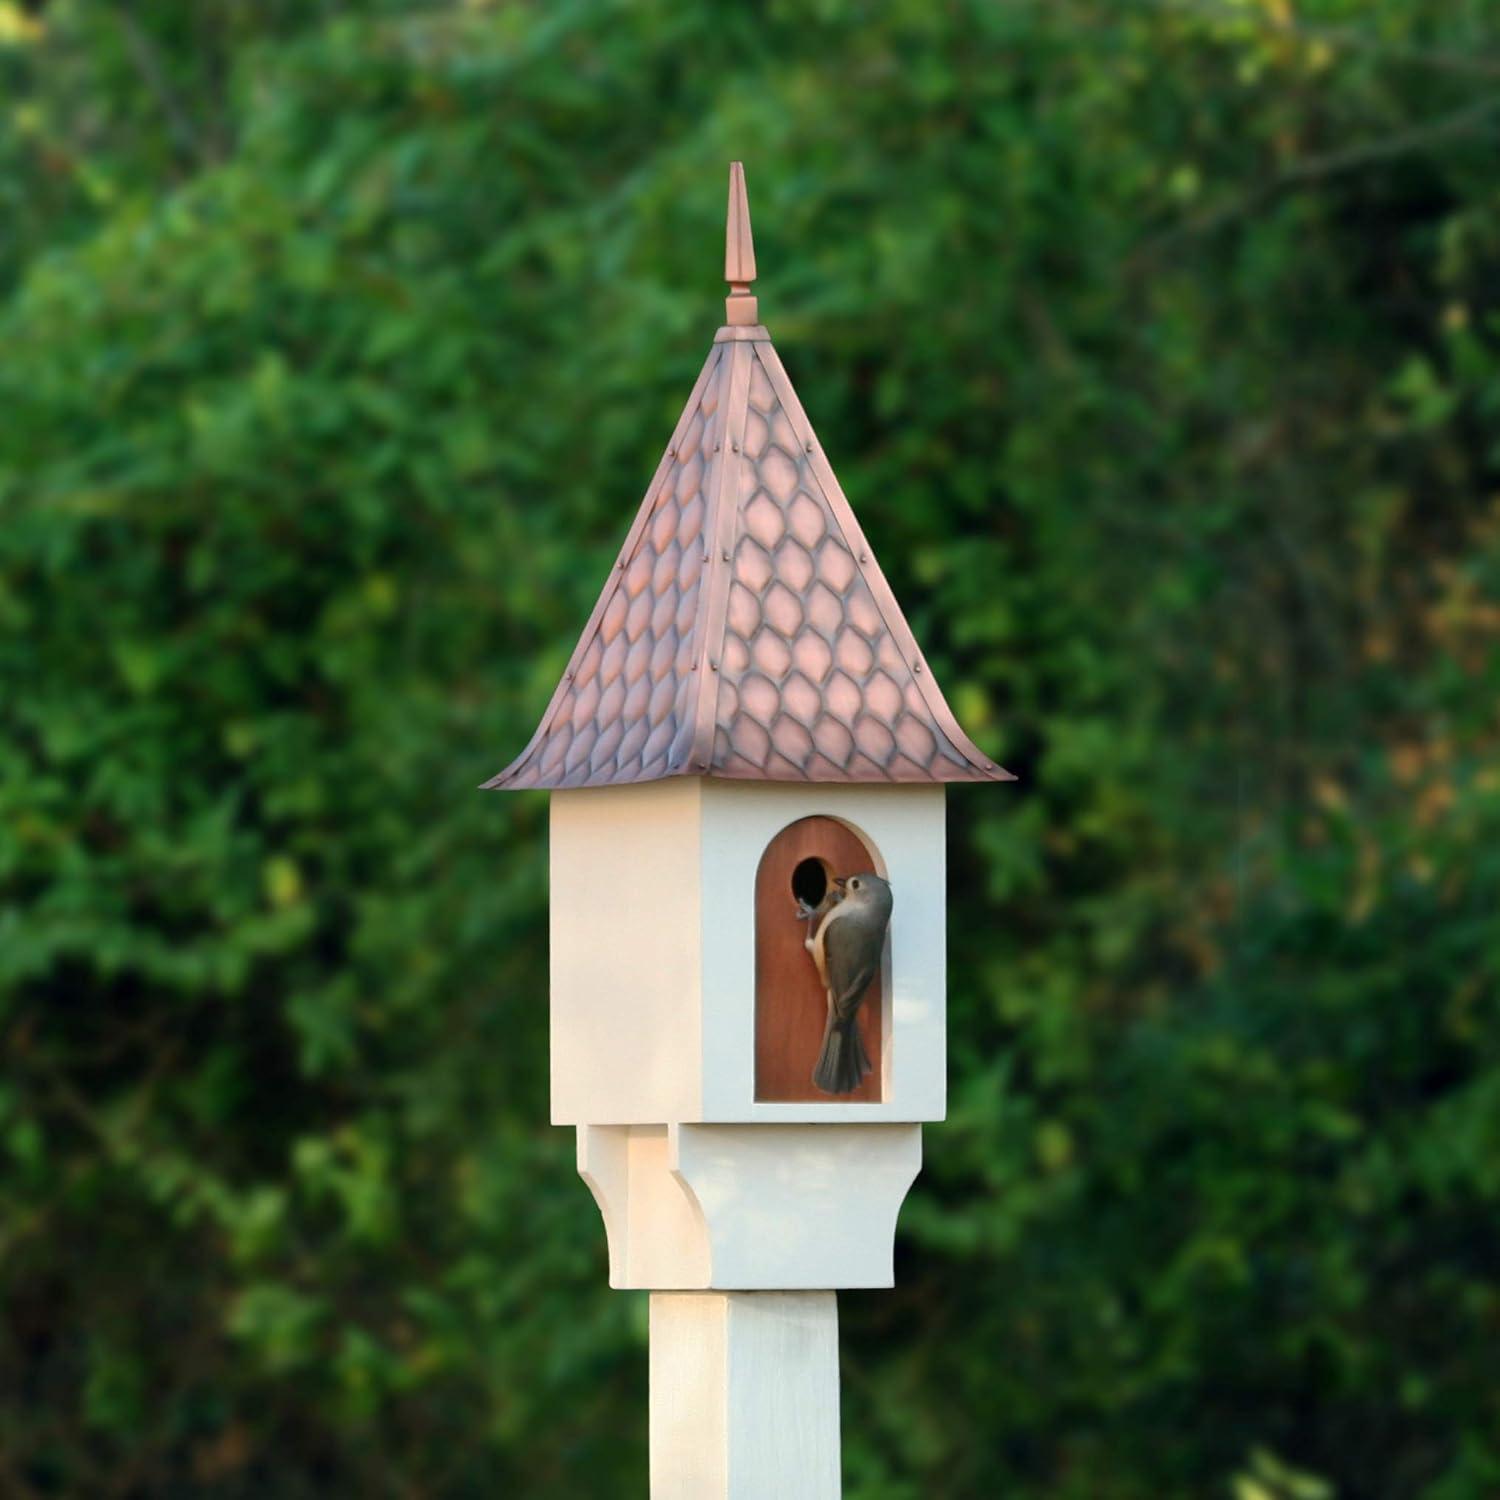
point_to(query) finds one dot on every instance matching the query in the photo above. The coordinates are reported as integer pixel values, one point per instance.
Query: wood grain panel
(790, 1003)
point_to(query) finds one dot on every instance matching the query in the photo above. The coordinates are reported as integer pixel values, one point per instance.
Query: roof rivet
(671, 453)
(735, 446)
(809, 447)
(717, 446)
(918, 667)
(864, 557)
(714, 665)
(726, 554)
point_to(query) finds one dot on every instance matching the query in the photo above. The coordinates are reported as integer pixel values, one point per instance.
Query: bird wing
(851, 952)
(815, 946)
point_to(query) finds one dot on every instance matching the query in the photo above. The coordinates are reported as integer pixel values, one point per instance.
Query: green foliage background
(1156, 345)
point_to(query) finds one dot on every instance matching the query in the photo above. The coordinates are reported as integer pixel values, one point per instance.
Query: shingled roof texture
(746, 630)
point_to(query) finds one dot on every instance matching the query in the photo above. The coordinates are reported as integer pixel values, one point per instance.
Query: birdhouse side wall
(905, 824)
(627, 958)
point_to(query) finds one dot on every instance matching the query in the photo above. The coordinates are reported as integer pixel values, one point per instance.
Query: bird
(846, 948)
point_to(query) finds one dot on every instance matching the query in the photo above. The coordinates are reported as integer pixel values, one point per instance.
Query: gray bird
(846, 948)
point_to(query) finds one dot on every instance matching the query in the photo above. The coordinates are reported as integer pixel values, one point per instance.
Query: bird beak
(838, 880)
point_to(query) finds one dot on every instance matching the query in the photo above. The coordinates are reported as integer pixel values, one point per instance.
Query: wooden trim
(718, 535)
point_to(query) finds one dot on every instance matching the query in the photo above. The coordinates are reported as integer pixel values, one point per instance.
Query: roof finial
(740, 308)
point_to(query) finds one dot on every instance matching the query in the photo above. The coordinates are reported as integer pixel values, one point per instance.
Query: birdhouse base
(749, 1207)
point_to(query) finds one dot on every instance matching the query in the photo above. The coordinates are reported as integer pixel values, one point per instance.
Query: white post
(744, 1396)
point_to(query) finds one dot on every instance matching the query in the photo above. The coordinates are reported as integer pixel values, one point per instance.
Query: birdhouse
(745, 734)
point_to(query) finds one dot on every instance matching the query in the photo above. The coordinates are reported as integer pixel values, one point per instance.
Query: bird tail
(843, 1062)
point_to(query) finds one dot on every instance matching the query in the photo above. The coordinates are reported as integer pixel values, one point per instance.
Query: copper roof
(746, 630)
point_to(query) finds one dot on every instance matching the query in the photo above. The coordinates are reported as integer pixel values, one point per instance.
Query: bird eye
(853, 885)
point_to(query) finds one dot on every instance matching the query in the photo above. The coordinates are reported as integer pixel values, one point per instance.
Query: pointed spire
(740, 308)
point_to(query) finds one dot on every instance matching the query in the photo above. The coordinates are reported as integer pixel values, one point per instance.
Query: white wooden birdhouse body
(655, 1015)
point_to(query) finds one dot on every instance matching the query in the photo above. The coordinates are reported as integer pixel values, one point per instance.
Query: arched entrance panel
(790, 1003)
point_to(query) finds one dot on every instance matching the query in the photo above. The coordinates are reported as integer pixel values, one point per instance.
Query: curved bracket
(749, 1207)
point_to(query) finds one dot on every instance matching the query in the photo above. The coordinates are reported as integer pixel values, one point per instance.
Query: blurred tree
(1157, 349)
